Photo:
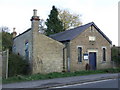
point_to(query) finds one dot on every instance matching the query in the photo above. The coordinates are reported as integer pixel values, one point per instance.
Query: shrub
(116, 55)
(17, 65)
(112, 70)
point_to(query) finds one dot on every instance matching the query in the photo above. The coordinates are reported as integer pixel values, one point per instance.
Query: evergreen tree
(6, 40)
(53, 23)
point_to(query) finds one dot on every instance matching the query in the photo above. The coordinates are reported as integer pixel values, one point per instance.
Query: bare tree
(42, 26)
(69, 20)
(4, 29)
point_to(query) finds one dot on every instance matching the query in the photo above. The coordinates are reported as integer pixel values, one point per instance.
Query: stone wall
(83, 41)
(47, 54)
(19, 44)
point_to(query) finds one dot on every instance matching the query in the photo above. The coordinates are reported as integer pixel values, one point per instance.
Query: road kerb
(78, 82)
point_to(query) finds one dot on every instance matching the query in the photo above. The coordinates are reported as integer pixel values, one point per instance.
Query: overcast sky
(104, 13)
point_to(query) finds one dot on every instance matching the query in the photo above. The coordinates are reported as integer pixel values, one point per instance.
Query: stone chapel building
(70, 50)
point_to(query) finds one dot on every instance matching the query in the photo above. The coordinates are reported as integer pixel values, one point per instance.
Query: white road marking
(84, 83)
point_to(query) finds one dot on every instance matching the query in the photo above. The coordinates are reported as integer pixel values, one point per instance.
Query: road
(110, 83)
(61, 81)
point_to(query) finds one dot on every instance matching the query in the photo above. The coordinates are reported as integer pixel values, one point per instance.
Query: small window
(27, 50)
(26, 45)
(14, 48)
(79, 54)
(104, 54)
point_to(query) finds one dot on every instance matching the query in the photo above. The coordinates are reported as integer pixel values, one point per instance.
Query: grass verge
(20, 78)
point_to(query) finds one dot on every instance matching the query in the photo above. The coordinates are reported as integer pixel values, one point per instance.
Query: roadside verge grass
(20, 78)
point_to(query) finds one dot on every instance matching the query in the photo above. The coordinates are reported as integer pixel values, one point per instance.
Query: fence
(5, 55)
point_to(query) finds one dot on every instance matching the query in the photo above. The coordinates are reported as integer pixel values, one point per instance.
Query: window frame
(104, 55)
(79, 54)
(27, 50)
(14, 48)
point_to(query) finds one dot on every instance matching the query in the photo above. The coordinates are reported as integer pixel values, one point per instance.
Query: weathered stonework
(45, 54)
(19, 44)
(48, 55)
(83, 41)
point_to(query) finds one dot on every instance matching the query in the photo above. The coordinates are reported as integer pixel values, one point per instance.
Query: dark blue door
(92, 60)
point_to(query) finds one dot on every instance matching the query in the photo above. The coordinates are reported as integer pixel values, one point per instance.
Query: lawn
(20, 78)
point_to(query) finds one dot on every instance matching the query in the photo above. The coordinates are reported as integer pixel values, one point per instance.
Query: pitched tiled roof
(72, 33)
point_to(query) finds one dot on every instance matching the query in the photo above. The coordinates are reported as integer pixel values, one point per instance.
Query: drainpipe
(64, 58)
(67, 47)
(68, 56)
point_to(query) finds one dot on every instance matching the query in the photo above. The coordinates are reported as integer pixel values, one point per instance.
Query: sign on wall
(85, 56)
(92, 38)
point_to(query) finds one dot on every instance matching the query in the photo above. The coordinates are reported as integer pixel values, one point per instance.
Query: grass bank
(20, 78)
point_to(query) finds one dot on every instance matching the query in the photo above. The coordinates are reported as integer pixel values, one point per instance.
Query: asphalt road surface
(110, 83)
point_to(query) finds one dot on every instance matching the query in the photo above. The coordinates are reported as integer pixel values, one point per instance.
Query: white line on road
(84, 83)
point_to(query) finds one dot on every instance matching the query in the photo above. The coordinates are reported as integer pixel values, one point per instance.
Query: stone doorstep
(55, 84)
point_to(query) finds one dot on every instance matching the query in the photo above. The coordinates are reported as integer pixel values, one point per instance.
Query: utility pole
(7, 63)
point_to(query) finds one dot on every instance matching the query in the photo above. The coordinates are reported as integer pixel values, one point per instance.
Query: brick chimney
(35, 21)
(14, 33)
(34, 29)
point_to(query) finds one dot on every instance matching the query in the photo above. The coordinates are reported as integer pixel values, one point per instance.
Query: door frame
(95, 51)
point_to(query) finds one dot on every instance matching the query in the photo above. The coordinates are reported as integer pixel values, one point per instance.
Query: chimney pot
(35, 12)
(14, 33)
(35, 17)
(14, 29)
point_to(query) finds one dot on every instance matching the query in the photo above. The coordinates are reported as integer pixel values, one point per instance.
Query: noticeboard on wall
(85, 56)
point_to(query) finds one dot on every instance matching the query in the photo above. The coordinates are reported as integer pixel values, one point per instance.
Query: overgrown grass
(20, 78)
